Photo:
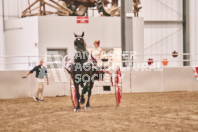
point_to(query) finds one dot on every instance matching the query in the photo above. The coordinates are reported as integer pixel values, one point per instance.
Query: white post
(2, 44)
(138, 37)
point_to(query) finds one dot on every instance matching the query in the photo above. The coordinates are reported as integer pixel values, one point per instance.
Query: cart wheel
(118, 87)
(73, 94)
(105, 6)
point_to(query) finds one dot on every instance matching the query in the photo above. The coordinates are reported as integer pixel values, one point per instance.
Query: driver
(96, 53)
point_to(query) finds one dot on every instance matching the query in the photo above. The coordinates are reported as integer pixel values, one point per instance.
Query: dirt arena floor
(154, 112)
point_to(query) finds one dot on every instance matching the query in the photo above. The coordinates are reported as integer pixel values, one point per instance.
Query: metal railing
(125, 60)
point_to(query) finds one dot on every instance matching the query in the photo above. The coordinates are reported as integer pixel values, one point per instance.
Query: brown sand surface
(154, 112)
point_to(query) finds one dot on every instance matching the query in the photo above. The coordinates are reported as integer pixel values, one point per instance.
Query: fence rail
(28, 62)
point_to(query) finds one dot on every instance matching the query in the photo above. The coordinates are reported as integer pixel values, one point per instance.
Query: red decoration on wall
(195, 70)
(165, 62)
(174, 54)
(82, 19)
(150, 61)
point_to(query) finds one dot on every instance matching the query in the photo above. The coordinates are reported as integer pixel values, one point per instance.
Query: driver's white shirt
(96, 53)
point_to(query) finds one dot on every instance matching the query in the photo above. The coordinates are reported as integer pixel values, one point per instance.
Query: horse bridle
(79, 37)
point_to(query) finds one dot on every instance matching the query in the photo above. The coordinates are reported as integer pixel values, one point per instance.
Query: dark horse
(82, 71)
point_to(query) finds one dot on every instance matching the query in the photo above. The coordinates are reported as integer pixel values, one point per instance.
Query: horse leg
(84, 91)
(82, 99)
(89, 95)
(77, 96)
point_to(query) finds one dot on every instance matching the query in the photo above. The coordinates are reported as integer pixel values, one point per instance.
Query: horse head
(79, 42)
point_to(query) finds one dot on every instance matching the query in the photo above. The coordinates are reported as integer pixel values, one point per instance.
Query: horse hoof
(76, 110)
(87, 108)
(82, 101)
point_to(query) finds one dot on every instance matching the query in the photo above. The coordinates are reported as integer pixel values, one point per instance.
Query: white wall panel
(173, 78)
(11, 8)
(145, 81)
(162, 38)
(194, 29)
(161, 10)
(18, 88)
(57, 32)
(2, 48)
(21, 36)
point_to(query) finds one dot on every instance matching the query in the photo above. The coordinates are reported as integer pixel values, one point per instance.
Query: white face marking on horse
(79, 38)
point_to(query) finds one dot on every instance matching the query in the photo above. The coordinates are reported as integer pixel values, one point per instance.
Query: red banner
(82, 19)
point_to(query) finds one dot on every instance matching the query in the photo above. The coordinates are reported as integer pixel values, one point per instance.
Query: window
(55, 58)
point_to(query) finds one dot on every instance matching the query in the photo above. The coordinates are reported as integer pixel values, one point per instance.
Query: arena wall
(170, 79)
(58, 32)
(31, 37)
(21, 38)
